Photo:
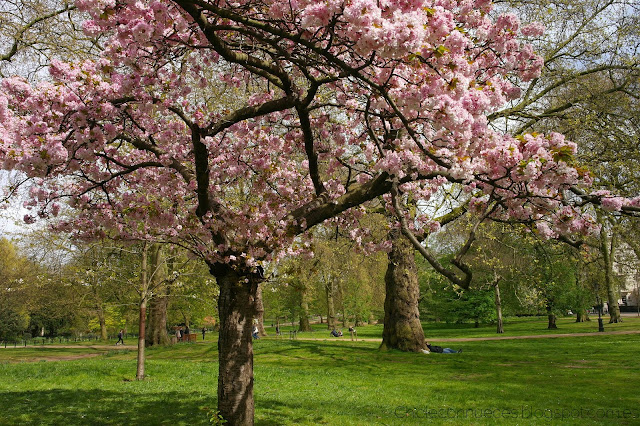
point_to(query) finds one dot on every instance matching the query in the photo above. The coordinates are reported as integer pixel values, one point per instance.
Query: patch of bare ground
(56, 358)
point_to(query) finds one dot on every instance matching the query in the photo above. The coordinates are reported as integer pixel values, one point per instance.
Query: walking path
(54, 346)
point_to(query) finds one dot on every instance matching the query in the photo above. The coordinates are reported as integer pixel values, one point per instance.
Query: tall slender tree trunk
(141, 340)
(260, 312)
(496, 286)
(236, 306)
(144, 288)
(103, 323)
(402, 328)
(158, 305)
(331, 310)
(607, 246)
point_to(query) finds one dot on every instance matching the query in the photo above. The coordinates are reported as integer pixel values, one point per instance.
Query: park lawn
(339, 382)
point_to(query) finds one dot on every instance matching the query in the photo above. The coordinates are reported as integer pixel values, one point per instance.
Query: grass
(339, 382)
(512, 326)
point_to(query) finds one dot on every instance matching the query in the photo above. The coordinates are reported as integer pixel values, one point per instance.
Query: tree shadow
(100, 407)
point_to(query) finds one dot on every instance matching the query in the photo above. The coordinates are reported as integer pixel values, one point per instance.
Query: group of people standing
(183, 335)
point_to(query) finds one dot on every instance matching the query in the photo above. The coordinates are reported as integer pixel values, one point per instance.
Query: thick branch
(463, 282)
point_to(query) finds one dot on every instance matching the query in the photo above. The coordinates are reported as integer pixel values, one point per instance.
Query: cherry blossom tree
(348, 101)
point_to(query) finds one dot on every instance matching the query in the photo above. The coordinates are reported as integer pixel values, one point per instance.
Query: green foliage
(443, 301)
(12, 323)
(114, 320)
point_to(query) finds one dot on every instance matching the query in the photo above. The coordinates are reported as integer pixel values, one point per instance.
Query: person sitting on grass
(441, 350)
(336, 333)
(254, 333)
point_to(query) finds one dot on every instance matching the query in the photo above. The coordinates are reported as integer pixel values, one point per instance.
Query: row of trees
(343, 286)
(52, 287)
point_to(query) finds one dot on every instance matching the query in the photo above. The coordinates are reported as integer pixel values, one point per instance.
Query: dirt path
(100, 347)
(44, 356)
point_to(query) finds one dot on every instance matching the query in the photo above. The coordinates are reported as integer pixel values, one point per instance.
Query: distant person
(187, 331)
(353, 332)
(254, 333)
(204, 330)
(179, 334)
(441, 350)
(277, 330)
(336, 333)
(120, 337)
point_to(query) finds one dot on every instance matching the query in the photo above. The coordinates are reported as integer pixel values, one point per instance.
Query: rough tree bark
(260, 312)
(157, 322)
(402, 328)
(237, 308)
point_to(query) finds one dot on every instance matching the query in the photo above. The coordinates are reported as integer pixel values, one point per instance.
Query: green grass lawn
(573, 381)
(512, 327)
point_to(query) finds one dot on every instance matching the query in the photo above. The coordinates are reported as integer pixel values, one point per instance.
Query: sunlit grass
(512, 327)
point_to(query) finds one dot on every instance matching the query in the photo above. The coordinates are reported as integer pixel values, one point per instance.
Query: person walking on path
(204, 330)
(120, 336)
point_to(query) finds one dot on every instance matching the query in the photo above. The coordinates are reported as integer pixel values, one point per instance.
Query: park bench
(191, 337)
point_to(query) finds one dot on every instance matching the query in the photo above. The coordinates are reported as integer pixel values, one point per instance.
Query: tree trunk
(582, 315)
(357, 322)
(552, 317)
(402, 328)
(552, 322)
(144, 288)
(141, 340)
(158, 305)
(608, 246)
(304, 314)
(500, 328)
(236, 306)
(103, 323)
(157, 324)
(331, 310)
(260, 312)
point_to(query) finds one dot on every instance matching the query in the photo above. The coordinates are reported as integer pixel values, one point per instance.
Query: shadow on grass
(99, 407)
